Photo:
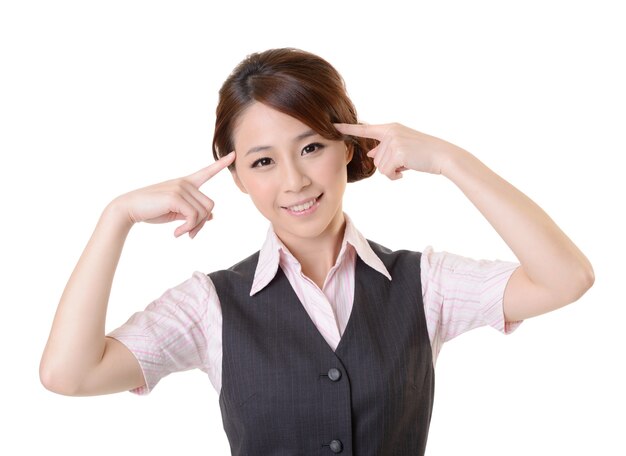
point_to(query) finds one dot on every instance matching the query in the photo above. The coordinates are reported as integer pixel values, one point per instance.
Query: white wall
(99, 98)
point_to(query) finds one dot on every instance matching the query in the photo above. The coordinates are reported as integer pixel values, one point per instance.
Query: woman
(322, 341)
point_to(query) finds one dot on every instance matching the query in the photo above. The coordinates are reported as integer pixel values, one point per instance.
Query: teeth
(302, 207)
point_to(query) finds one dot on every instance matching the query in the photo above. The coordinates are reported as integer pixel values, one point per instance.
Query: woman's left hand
(402, 148)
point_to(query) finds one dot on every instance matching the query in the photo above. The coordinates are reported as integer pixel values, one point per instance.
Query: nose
(294, 177)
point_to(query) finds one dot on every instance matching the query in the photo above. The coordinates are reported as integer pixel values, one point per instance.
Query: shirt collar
(274, 253)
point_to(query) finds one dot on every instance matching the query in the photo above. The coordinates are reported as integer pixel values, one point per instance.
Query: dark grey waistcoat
(286, 392)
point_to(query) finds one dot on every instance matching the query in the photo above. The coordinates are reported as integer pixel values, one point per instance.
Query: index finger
(200, 177)
(365, 131)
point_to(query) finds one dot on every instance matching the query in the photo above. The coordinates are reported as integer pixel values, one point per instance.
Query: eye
(261, 162)
(312, 148)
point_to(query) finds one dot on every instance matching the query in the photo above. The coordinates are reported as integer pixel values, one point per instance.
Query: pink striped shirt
(182, 329)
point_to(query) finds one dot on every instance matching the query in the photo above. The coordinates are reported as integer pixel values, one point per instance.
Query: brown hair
(299, 84)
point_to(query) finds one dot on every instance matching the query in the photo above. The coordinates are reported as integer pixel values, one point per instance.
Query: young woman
(322, 341)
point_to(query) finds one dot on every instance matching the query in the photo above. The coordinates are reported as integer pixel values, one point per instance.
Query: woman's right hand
(176, 199)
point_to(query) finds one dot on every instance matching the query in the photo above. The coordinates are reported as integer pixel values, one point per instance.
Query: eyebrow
(300, 137)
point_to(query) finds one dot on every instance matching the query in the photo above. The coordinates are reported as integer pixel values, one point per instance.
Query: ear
(349, 152)
(233, 172)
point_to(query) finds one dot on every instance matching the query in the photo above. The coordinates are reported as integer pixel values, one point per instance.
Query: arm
(78, 359)
(553, 271)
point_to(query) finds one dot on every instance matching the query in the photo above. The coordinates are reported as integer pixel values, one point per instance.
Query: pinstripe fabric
(182, 329)
(277, 396)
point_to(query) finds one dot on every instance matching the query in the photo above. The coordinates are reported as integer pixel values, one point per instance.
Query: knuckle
(174, 189)
(171, 196)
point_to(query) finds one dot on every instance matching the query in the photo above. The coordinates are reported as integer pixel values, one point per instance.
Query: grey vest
(286, 392)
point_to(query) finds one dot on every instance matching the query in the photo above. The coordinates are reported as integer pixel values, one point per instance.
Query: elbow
(583, 283)
(571, 288)
(56, 382)
(588, 278)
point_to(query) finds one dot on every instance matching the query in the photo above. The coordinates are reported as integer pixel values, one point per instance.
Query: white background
(100, 98)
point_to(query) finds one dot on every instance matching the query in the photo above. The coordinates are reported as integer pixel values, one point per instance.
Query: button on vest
(334, 374)
(286, 392)
(336, 446)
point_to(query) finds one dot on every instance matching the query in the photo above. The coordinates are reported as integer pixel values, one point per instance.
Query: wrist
(116, 212)
(455, 159)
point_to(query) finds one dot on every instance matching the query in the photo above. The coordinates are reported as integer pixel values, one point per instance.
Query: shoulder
(386, 252)
(241, 272)
(239, 267)
(446, 262)
(395, 260)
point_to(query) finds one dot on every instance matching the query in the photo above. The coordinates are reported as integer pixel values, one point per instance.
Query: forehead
(263, 124)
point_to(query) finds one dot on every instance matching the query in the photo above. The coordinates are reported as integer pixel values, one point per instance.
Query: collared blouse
(182, 329)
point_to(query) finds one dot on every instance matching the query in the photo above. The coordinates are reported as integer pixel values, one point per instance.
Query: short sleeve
(171, 334)
(461, 294)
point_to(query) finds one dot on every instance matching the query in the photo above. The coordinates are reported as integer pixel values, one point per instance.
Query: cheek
(260, 189)
(334, 168)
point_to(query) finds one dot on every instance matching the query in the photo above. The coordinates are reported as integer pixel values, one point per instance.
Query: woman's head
(299, 84)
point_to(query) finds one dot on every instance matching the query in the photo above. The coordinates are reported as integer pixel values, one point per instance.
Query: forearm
(549, 258)
(553, 271)
(76, 341)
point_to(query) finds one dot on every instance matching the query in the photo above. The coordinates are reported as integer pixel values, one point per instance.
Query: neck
(318, 255)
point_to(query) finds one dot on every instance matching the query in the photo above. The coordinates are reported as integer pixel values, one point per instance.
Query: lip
(307, 212)
(303, 201)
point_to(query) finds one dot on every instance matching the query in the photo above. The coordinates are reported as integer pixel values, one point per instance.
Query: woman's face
(295, 177)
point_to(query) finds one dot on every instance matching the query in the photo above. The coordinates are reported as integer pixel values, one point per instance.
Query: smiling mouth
(303, 206)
